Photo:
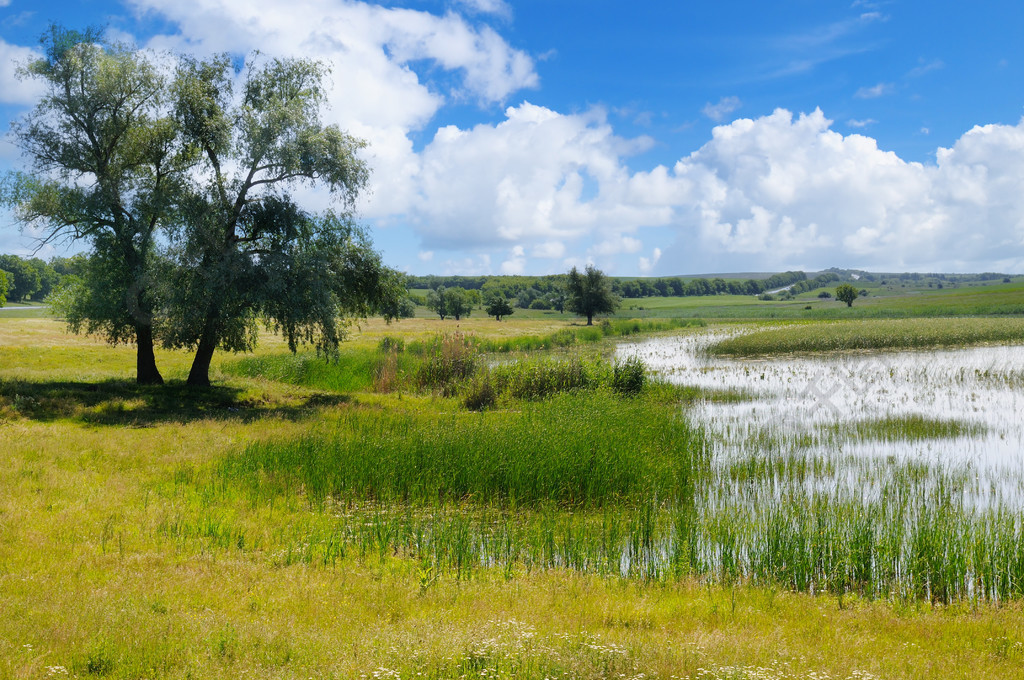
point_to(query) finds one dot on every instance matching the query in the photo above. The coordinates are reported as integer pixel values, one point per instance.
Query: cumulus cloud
(516, 263)
(718, 112)
(782, 191)
(376, 93)
(549, 250)
(775, 192)
(647, 265)
(535, 177)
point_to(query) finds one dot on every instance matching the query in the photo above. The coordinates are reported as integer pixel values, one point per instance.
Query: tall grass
(568, 337)
(585, 450)
(872, 334)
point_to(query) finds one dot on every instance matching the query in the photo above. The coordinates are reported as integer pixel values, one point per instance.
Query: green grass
(586, 450)
(891, 301)
(871, 335)
(270, 528)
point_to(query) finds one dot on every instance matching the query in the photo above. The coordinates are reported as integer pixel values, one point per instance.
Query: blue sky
(646, 138)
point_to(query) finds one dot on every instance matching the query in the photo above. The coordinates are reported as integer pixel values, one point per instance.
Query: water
(794, 400)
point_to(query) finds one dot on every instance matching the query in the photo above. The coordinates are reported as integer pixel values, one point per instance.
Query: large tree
(590, 293)
(104, 168)
(246, 251)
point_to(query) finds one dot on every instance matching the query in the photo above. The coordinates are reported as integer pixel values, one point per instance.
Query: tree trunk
(146, 372)
(590, 319)
(199, 376)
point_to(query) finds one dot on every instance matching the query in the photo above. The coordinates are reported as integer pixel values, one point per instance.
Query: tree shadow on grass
(125, 403)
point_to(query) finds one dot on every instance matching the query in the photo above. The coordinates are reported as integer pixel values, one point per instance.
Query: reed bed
(619, 487)
(872, 334)
(570, 450)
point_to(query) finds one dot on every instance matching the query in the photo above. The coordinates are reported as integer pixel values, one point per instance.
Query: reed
(872, 334)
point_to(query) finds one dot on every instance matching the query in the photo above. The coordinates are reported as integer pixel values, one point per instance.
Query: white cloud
(549, 249)
(647, 265)
(516, 264)
(425, 255)
(616, 246)
(725, 106)
(536, 177)
(375, 93)
(496, 7)
(862, 123)
(778, 192)
(875, 91)
(468, 266)
(12, 89)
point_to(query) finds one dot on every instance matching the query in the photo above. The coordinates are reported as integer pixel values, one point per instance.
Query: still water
(795, 399)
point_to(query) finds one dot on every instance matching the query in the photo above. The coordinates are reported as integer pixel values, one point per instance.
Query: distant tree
(23, 277)
(589, 293)
(846, 293)
(47, 278)
(458, 302)
(437, 303)
(825, 295)
(557, 298)
(3, 288)
(499, 307)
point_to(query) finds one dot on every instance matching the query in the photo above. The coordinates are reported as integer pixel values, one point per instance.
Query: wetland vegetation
(531, 498)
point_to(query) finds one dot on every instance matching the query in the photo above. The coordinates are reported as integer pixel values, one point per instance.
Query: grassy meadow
(484, 499)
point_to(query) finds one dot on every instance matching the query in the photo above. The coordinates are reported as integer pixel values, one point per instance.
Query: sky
(646, 138)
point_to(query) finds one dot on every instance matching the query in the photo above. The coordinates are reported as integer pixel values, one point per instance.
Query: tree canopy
(589, 293)
(846, 293)
(183, 188)
(498, 307)
(104, 169)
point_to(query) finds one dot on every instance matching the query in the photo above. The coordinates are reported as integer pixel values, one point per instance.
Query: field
(531, 498)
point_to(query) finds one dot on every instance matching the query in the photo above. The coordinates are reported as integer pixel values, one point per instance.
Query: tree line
(31, 279)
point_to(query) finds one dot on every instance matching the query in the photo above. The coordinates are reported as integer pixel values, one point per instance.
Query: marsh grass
(568, 451)
(871, 335)
(908, 428)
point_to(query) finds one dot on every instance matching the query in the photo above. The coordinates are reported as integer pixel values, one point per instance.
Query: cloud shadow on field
(125, 403)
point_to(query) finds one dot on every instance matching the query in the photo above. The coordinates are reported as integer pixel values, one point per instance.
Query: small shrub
(480, 394)
(629, 376)
(824, 295)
